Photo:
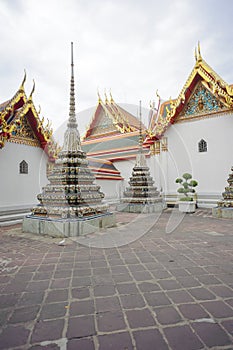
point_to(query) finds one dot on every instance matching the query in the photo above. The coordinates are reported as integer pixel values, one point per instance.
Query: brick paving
(159, 291)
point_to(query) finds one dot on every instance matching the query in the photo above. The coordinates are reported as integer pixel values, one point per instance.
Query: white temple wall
(209, 168)
(113, 189)
(20, 190)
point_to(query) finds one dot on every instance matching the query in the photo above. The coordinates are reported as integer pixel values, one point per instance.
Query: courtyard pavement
(169, 285)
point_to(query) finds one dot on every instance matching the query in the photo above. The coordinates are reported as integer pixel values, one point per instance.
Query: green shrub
(186, 186)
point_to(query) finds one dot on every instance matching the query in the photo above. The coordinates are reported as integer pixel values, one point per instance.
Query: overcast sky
(132, 47)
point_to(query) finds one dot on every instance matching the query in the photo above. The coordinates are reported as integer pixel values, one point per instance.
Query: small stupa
(71, 204)
(141, 196)
(225, 206)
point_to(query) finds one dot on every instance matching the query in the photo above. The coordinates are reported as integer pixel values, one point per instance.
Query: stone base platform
(223, 212)
(67, 227)
(141, 208)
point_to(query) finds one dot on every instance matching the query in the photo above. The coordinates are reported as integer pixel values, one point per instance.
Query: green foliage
(186, 186)
(186, 199)
(187, 176)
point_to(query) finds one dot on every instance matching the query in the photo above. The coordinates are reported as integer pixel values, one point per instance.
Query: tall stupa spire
(71, 203)
(72, 137)
(72, 118)
(140, 127)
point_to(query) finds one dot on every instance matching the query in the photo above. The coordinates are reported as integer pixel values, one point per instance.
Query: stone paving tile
(170, 284)
(149, 339)
(47, 330)
(56, 295)
(211, 334)
(155, 290)
(82, 326)
(60, 283)
(157, 299)
(201, 294)
(132, 301)
(115, 341)
(80, 293)
(81, 344)
(167, 315)
(127, 288)
(192, 311)
(100, 291)
(110, 321)
(31, 298)
(149, 287)
(179, 296)
(228, 326)
(53, 310)
(107, 304)
(24, 314)
(13, 336)
(218, 309)
(222, 291)
(140, 318)
(182, 337)
(82, 307)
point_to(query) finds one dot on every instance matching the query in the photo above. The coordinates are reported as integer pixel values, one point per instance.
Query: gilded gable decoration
(204, 93)
(202, 101)
(115, 120)
(20, 123)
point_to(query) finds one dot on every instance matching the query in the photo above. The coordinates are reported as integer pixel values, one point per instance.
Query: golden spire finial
(195, 53)
(23, 82)
(106, 97)
(99, 97)
(157, 94)
(33, 89)
(111, 98)
(199, 51)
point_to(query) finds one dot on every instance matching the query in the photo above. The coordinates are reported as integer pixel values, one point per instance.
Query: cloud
(132, 47)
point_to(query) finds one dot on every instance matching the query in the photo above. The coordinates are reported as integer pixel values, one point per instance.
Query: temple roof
(109, 119)
(113, 133)
(203, 93)
(20, 122)
(104, 169)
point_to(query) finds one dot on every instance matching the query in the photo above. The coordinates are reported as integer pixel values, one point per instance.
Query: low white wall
(21, 190)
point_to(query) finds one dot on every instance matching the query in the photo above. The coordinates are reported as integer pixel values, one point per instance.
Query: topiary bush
(187, 186)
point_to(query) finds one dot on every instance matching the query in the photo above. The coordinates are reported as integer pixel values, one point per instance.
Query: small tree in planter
(186, 203)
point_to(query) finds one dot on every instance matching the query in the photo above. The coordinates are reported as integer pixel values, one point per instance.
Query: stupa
(141, 196)
(225, 206)
(71, 204)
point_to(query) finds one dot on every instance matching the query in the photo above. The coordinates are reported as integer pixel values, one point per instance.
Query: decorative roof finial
(33, 89)
(199, 51)
(23, 82)
(195, 53)
(111, 98)
(99, 97)
(106, 97)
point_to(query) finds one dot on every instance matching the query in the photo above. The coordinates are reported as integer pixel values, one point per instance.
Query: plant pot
(187, 206)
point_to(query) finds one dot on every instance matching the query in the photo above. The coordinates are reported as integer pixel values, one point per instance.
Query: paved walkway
(170, 287)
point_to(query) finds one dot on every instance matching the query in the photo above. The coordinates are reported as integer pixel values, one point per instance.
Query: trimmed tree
(187, 186)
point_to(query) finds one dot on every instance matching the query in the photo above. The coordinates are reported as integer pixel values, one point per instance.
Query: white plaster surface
(21, 190)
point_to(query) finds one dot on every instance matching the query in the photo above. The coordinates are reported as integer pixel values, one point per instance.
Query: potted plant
(187, 204)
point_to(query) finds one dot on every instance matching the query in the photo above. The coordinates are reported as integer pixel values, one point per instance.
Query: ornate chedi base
(225, 207)
(71, 204)
(141, 196)
(68, 227)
